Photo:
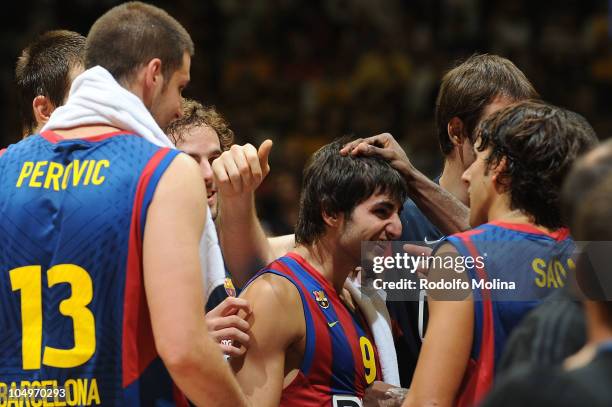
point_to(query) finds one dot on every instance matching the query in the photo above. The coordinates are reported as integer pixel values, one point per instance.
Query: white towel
(372, 304)
(97, 98)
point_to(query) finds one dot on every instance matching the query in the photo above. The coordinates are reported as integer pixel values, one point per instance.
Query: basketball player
(584, 378)
(204, 134)
(523, 153)
(43, 74)
(469, 92)
(100, 287)
(310, 344)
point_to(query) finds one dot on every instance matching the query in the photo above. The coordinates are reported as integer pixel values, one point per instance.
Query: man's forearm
(244, 244)
(206, 378)
(445, 211)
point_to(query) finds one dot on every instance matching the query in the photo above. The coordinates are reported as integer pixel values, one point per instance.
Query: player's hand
(241, 169)
(382, 145)
(381, 394)
(227, 328)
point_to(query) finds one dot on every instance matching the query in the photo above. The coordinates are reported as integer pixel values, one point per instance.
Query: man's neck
(86, 131)
(450, 180)
(328, 261)
(598, 332)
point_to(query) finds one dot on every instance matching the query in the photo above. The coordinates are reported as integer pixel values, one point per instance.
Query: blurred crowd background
(303, 72)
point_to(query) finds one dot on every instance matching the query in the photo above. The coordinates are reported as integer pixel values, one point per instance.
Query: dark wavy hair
(539, 143)
(335, 184)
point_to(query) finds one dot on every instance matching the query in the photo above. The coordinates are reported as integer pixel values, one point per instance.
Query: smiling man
(310, 343)
(523, 153)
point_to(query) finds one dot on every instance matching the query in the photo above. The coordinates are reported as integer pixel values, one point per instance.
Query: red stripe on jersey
(321, 368)
(138, 345)
(53, 137)
(345, 320)
(559, 234)
(478, 377)
(2, 151)
(179, 398)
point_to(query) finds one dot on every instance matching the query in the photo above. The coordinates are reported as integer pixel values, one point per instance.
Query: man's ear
(456, 131)
(152, 80)
(42, 108)
(153, 73)
(331, 219)
(499, 180)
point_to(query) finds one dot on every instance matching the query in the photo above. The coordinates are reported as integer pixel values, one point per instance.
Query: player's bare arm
(238, 172)
(446, 346)
(442, 208)
(277, 335)
(172, 280)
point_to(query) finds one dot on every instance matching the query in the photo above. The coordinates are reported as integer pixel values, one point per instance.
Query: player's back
(73, 313)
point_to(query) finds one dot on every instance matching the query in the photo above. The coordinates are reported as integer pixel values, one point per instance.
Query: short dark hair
(195, 115)
(43, 69)
(466, 89)
(539, 143)
(335, 184)
(586, 203)
(587, 173)
(130, 35)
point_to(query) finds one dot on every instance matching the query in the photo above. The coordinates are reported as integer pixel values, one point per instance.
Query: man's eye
(381, 213)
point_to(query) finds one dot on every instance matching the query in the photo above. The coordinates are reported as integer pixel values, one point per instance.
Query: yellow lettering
(14, 401)
(26, 171)
(571, 264)
(82, 391)
(67, 175)
(369, 362)
(90, 169)
(560, 273)
(47, 385)
(25, 400)
(32, 400)
(537, 265)
(77, 171)
(3, 394)
(552, 281)
(28, 280)
(56, 395)
(97, 179)
(94, 394)
(71, 392)
(37, 173)
(82, 317)
(53, 175)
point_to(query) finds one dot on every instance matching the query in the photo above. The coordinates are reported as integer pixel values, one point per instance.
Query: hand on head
(382, 145)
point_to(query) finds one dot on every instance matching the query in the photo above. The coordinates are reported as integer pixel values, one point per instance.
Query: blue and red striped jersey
(73, 312)
(536, 262)
(340, 358)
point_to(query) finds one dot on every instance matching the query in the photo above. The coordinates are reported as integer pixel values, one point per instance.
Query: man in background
(43, 74)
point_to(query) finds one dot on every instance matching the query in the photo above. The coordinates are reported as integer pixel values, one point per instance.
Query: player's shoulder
(182, 169)
(272, 289)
